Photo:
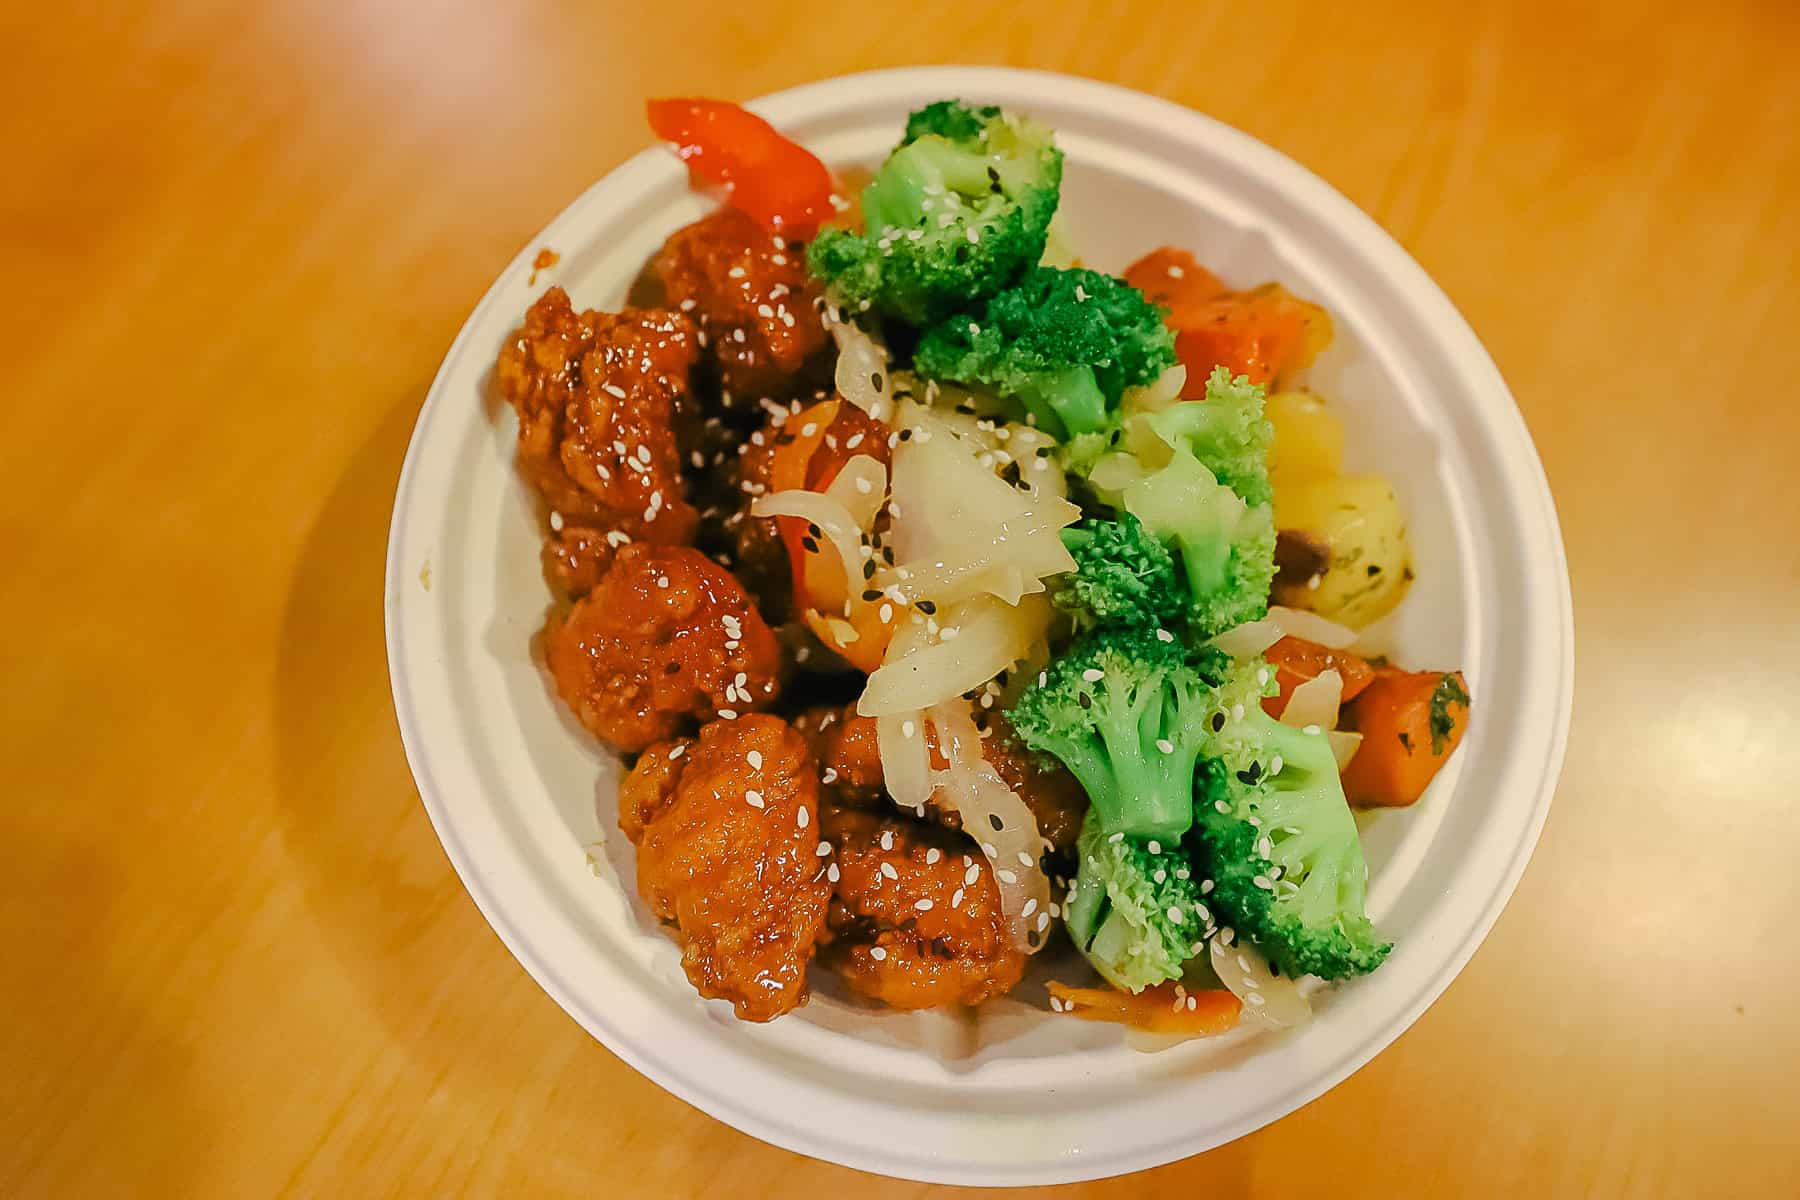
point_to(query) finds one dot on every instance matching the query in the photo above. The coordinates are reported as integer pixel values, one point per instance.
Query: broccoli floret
(1226, 432)
(1063, 343)
(1134, 909)
(957, 212)
(1123, 576)
(1277, 838)
(1122, 710)
(1195, 475)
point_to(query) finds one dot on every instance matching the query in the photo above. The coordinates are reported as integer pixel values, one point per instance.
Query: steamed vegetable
(1194, 474)
(1411, 721)
(1122, 710)
(957, 212)
(1123, 576)
(1278, 839)
(780, 184)
(1064, 344)
(1307, 442)
(1356, 520)
(1166, 1008)
(1297, 660)
(1134, 909)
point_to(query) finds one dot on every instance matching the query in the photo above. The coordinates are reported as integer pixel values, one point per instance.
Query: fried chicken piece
(602, 399)
(668, 636)
(751, 294)
(915, 919)
(1045, 785)
(850, 759)
(729, 854)
(649, 787)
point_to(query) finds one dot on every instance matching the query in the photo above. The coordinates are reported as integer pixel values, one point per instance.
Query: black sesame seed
(996, 822)
(876, 380)
(1086, 700)
(927, 607)
(812, 547)
(887, 552)
(906, 435)
(1374, 570)
(871, 594)
(869, 569)
(673, 668)
(814, 530)
(1218, 722)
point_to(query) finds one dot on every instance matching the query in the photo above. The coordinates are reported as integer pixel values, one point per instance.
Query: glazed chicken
(915, 916)
(726, 827)
(749, 291)
(597, 397)
(668, 638)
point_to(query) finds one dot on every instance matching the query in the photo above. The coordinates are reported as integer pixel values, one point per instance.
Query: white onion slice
(860, 360)
(1253, 637)
(1156, 395)
(1249, 639)
(991, 636)
(972, 788)
(861, 487)
(905, 761)
(1315, 702)
(1312, 627)
(834, 520)
(1270, 1000)
(1344, 745)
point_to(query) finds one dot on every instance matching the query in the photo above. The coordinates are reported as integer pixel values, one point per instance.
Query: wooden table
(237, 240)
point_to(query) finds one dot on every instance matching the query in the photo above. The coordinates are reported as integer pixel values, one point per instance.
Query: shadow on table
(373, 873)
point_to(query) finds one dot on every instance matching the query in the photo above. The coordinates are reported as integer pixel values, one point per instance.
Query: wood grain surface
(237, 239)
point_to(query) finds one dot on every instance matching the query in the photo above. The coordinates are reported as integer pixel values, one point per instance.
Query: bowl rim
(1347, 221)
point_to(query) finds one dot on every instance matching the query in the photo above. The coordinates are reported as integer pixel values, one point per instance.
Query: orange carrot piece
(1296, 660)
(1411, 721)
(1165, 1008)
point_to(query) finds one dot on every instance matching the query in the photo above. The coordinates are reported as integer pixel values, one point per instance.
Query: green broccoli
(1226, 432)
(1277, 839)
(1063, 343)
(957, 212)
(1123, 576)
(1195, 475)
(1134, 908)
(1122, 709)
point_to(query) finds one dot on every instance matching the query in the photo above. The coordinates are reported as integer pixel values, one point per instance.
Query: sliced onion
(1158, 394)
(991, 636)
(1344, 745)
(1249, 639)
(1312, 627)
(861, 487)
(1270, 1000)
(860, 360)
(1315, 702)
(1253, 637)
(905, 761)
(999, 821)
(834, 520)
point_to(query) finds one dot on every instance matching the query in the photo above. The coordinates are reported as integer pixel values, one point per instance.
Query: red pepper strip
(781, 185)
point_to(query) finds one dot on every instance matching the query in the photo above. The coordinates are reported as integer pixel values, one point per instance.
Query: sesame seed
(1165, 745)
(887, 870)
(956, 898)
(1254, 999)
(1024, 859)
(728, 714)
(832, 872)
(1312, 729)
(830, 775)
(971, 875)
(1030, 907)
(1116, 838)
(887, 839)
(677, 752)
(1262, 881)
(1163, 635)
(802, 818)
(1275, 765)
(932, 855)
(1155, 847)
(1206, 887)
(1043, 921)
(754, 798)
(877, 953)
(1093, 674)
(908, 729)
(1237, 712)
(823, 850)
(923, 905)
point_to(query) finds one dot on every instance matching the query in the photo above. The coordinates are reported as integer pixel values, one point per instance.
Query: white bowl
(1017, 1095)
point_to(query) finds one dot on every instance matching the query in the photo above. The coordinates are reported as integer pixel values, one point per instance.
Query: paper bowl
(518, 793)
